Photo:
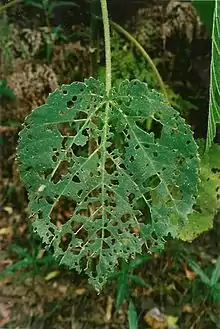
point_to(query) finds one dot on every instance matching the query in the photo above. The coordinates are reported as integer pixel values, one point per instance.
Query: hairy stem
(108, 77)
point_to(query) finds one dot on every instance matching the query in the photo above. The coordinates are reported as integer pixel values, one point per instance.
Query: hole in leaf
(110, 166)
(51, 229)
(76, 179)
(215, 170)
(74, 98)
(65, 92)
(69, 104)
(65, 240)
(154, 236)
(62, 170)
(197, 208)
(49, 200)
(131, 197)
(157, 128)
(62, 211)
(122, 166)
(79, 231)
(69, 154)
(147, 196)
(151, 182)
(65, 129)
(64, 142)
(114, 181)
(28, 168)
(81, 115)
(79, 193)
(40, 214)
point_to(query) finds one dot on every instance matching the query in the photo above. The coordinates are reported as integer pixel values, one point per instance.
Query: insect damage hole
(62, 170)
(62, 211)
(65, 241)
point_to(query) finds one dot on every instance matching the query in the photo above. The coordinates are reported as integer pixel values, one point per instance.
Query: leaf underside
(126, 188)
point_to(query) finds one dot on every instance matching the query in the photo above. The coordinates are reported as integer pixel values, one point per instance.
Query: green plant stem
(9, 4)
(145, 55)
(108, 77)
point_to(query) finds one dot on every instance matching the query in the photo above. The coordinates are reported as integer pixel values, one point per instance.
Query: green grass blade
(22, 253)
(14, 267)
(132, 316)
(216, 273)
(214, 93)
(197, 269)
(136, 279)
(139, 260)
(122, 286)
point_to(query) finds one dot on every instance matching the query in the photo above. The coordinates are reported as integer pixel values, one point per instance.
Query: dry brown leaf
(6, 231)
(155, 319)
(5, 313)
(189, 274)
(80, 291)
(187, 308)
(109, 307)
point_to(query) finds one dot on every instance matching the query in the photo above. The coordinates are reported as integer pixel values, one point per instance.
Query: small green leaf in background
(132, 316)
(214, 92)
(208, 201)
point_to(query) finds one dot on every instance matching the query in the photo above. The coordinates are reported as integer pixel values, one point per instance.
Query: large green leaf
(208, 200)
(214, 94)
(126, 188)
